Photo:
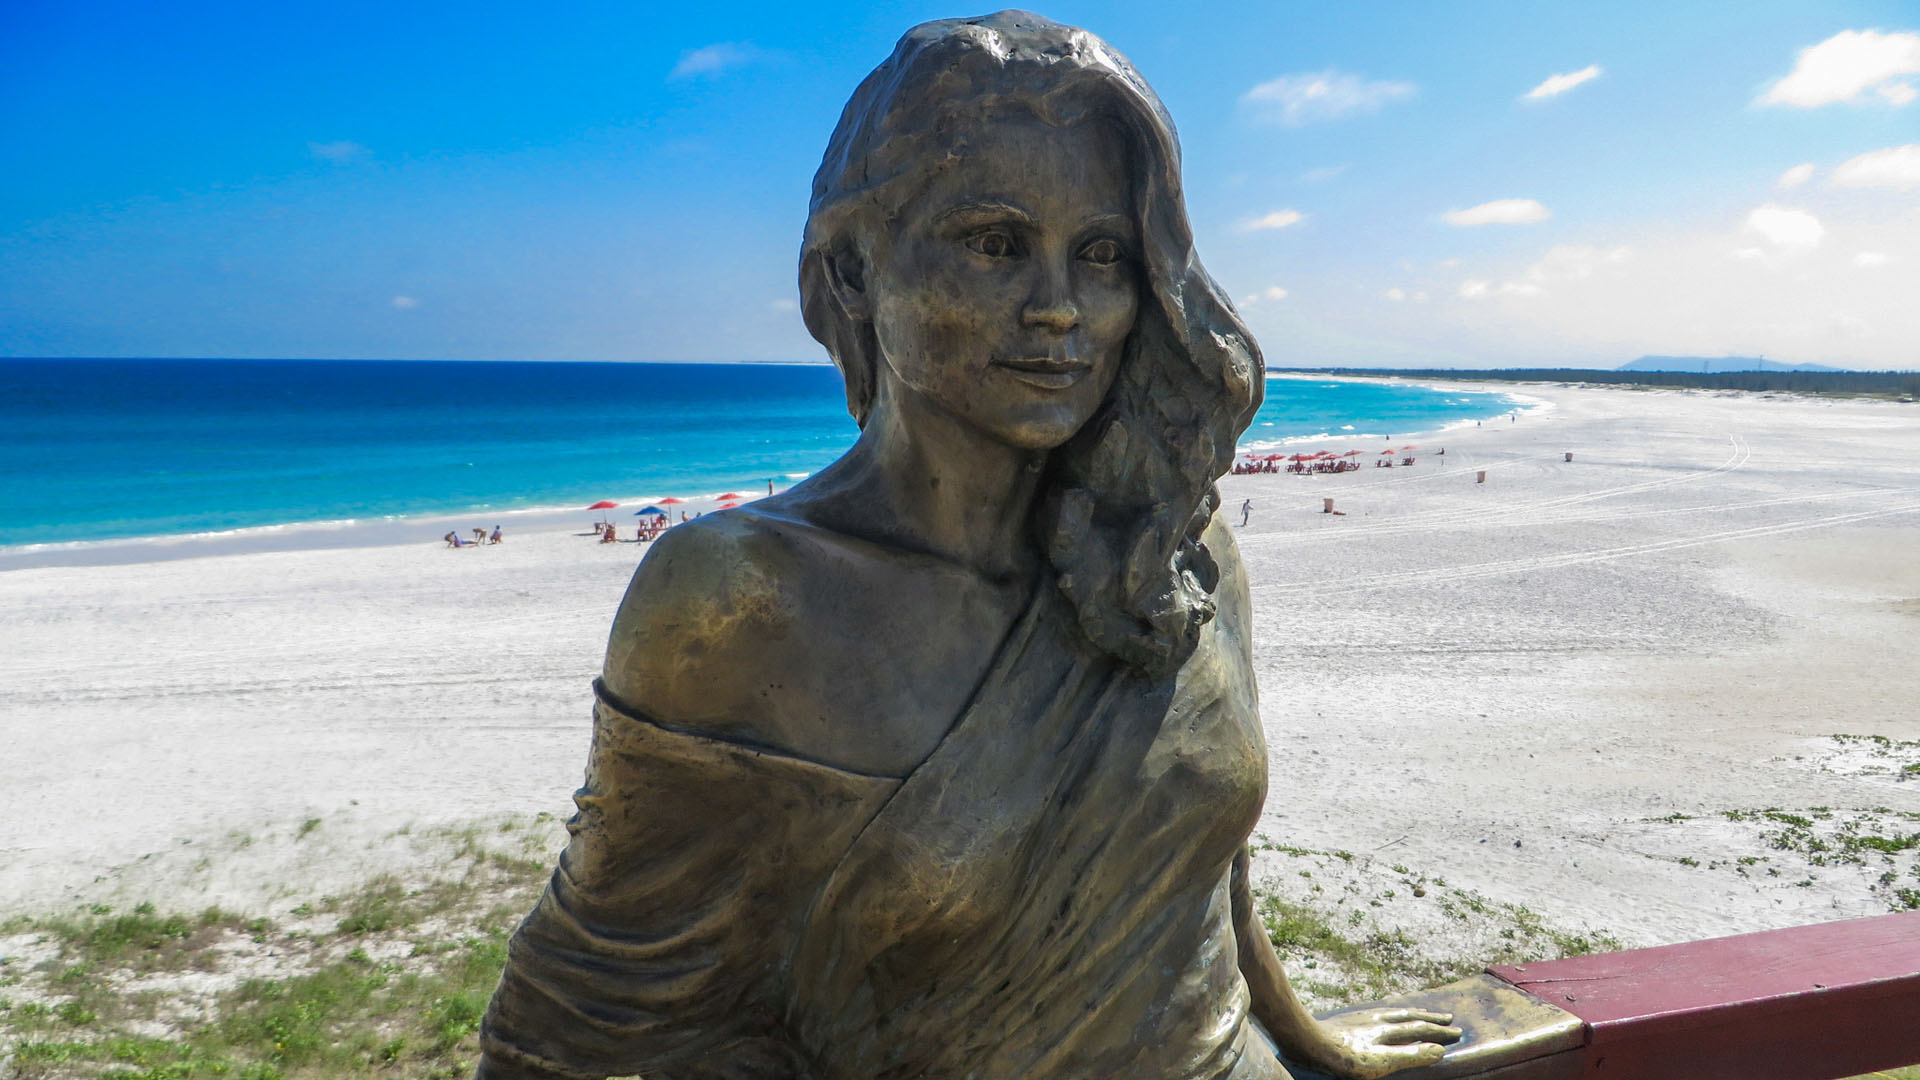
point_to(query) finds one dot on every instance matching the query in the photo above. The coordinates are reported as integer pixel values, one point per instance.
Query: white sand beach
(1503, 684)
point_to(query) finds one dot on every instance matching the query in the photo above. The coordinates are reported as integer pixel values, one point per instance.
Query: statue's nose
(1052, 307)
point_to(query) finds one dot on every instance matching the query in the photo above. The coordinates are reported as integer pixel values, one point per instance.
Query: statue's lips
(1046, 372)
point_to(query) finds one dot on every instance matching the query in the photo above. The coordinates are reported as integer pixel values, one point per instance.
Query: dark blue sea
(109, 449)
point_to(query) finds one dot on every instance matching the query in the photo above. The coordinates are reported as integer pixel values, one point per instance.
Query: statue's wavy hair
(1125, 501)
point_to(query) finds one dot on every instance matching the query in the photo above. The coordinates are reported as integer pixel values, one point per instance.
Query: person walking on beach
(1246, 511)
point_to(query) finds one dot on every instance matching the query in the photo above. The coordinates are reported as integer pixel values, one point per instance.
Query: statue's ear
(847, 276)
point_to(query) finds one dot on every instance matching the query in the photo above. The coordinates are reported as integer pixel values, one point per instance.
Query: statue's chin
(1048, 430)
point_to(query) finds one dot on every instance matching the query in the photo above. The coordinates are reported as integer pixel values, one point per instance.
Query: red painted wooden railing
(1807, 1003)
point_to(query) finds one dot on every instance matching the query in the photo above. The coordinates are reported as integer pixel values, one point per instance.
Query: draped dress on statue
(1049, 894)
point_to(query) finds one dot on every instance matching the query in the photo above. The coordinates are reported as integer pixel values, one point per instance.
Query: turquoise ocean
(96, 450)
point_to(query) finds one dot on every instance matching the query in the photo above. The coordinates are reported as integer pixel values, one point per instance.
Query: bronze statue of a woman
(943, 763)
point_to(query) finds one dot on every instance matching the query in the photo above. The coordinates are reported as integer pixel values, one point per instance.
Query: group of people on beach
(480, 537)
(648, 530)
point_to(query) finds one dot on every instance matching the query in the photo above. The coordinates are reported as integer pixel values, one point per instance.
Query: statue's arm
(1370, 1043)
(1365, 1044)
(652, 950)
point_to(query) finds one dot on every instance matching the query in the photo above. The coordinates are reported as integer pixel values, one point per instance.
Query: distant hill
(1717, 364)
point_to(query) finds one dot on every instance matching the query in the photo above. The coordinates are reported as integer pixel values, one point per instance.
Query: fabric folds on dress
(659, 945)
(1046, 897)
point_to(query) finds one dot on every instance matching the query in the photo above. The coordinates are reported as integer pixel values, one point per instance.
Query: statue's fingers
(1401, 1016)
(1419, 1031)
(1420, 1053)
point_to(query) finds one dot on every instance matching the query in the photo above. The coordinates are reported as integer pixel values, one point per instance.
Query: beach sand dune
(1577, 686)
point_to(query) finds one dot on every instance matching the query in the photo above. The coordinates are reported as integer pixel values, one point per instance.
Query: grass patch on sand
(389, 980)
(1353, 929)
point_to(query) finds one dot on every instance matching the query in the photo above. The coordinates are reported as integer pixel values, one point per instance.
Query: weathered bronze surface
(942, 763)
(1508, 1034)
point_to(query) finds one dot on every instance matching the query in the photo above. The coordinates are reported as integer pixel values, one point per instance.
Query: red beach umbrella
(1388, 453)
(669, 500)
(1350, 453)
(603, 505)
(728, 506)
(730, 495)
(1409, 448)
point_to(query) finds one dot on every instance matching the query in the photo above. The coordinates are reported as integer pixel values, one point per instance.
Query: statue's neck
(924, 479)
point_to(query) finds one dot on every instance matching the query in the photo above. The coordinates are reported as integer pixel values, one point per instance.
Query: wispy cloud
(1796, 176)
(1576, 262)
(1481, 289)
(1872, 259)
(1846, 66)
(1499, 212)
(711, 60)
(1895, 167)
(1327, 95)
(340, 153)
(785, 303)
(1279, 219)
(1560, 84)
(1395, 294)
(1786, 228)
(1265, 296)
(1320, 175)
(405, 303)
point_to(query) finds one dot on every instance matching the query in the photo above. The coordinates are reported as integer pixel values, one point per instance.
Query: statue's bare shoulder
(701, 625)
(765, 629)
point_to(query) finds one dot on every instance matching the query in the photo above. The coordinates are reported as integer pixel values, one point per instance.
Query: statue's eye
(1102, 253)
(993, 243)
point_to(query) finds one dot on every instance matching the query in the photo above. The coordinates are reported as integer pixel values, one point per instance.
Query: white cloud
(339, 152)
(711, 60)
(1478, 289)
(1420, 296)
(1499, 212)
(1326, 95)
(1560, 84)
(1678, 292)
(1894, 167)
(1847, 65)
(405, 302)
(1316, 176)
(1796, 176)
(1872, 258)
(1786, 227)
(1576, 262)
(784, 304)
(1396, 294)
(1266, 295)
(1279, 219)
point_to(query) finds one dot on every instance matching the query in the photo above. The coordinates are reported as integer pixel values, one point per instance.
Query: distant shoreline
(1886, 384)
(159, 463)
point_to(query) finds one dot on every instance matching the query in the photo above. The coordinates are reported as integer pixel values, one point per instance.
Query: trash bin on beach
(1328, 507)
(1569, 455)
(1480, 477)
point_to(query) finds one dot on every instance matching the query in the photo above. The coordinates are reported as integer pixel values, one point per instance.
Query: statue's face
(1006, 289)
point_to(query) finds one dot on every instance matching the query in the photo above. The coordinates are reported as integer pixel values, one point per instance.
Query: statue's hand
(1371, 1043)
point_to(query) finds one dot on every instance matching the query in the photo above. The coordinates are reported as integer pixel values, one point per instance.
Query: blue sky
(628, 181)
